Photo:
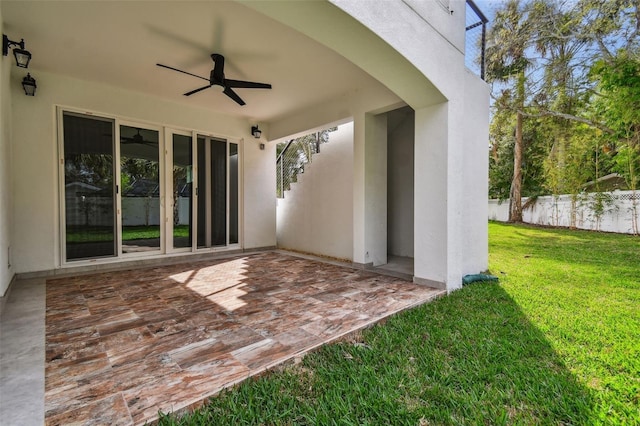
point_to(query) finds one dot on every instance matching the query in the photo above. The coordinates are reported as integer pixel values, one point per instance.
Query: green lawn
(95, 234)
(557, 341)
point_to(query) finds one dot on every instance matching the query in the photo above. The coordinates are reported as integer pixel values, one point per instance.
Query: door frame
(228, 141)
(162, 190)
(166, 185)
(168, 146)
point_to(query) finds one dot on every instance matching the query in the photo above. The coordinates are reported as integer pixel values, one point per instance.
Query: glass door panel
(218, 192)
(233, 193)
(182, 190)
(203, 217)
(140, 189)
(88, 187)
(217, 205)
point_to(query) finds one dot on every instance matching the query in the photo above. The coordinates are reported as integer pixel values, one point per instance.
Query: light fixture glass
(256, 132)
(22, 57)
(29, 85)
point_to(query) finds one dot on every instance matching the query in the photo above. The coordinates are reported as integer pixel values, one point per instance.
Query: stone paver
(122, 345)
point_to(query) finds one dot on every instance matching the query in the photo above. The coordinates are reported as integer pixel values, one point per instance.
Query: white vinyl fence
(617, 211)
(135, 211)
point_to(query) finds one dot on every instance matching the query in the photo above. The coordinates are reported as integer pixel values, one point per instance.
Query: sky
(489, 7)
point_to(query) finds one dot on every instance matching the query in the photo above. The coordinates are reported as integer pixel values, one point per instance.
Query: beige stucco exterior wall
(316, 215)
(418, 53)
(6, 199)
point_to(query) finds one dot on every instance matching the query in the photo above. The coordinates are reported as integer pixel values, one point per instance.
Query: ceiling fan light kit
(217, 80)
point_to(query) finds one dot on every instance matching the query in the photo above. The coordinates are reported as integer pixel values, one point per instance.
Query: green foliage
(298, 152)
(501, 158)
(627, 164)
(587, 94)
(93, 169)
(619, 103)
(133, 169)
(510, 38)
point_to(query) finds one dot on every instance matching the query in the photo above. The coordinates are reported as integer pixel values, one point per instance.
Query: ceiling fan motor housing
(218, 81)
(217, 73)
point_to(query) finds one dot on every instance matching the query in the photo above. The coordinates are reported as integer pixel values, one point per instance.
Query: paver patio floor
(121, 346)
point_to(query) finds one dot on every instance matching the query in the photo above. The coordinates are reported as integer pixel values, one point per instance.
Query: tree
(618, 105)
(506, 63)
(542, 66)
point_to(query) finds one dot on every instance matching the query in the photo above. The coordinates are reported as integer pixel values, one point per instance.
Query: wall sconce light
(255, 132)
(22, 56)
(29, 85)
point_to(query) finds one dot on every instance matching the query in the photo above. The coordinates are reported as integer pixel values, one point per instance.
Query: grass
(557, 341)
(97, 234)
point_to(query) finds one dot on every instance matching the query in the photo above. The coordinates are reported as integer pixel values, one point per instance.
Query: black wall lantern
(255, 132)
(22, 56)
(29, 85)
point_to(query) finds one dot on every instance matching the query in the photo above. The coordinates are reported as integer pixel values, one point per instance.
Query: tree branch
(588, 122)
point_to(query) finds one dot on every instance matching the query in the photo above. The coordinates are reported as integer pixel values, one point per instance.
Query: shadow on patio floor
(121, 346)
(470, 358)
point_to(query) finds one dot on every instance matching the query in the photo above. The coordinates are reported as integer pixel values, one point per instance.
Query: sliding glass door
(89, 190)
(217, 209)
(182, 184)
(127, 185)
(140, 189)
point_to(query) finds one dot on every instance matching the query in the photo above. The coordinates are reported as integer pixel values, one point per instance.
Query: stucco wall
(445, 16)
(400, 141)
(35, 151)
(474, 234)
(417, 51)
(427, 36)
(6, 272)
(316, 216)
(451, 135)
(420, 59)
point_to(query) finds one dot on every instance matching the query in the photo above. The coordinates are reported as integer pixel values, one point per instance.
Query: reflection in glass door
(182, 190)
(233, 193)
(217, 205)
(111, 192)
(89, 192)
(140, 189)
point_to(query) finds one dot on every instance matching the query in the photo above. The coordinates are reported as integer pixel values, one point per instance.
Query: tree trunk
(515, 193)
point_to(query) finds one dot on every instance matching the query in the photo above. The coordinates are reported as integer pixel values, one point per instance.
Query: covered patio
(118, 347)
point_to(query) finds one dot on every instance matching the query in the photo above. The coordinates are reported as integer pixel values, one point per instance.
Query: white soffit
(118, 43)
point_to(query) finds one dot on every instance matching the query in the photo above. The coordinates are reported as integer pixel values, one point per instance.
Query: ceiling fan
(137, 139)
(216, 78)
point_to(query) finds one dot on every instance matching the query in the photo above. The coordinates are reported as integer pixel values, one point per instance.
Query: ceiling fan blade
(197, 90)
(246, 84)
(233, 95)
(184, 72)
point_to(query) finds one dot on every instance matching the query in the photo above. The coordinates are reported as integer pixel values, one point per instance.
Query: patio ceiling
(119, 44)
